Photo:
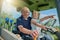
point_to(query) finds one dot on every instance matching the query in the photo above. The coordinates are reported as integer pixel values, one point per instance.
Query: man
(24, 25)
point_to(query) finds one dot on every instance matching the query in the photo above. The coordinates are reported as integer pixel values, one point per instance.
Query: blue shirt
(24, 23)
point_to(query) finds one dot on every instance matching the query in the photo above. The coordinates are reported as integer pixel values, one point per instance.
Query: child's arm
(38, 25)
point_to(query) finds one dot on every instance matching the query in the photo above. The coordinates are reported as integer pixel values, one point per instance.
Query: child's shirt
(34, 27)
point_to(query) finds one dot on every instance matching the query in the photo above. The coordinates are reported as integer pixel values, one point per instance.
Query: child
(35, 16)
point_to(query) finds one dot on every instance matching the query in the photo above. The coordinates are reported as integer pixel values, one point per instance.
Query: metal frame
(58, 9)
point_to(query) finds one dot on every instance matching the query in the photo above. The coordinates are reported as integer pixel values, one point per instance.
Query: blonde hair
(24, 8)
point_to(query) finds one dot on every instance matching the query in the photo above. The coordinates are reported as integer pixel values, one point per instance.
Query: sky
(9, 9)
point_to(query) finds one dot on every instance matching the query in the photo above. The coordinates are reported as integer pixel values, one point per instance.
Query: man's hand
(34, 34)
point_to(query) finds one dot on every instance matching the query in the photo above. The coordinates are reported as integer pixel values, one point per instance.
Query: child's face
(35, 15)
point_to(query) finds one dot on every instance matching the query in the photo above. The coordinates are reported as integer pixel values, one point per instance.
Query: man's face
(26, 12)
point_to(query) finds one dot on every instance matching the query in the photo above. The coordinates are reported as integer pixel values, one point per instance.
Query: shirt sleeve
(30, 18)
(19, 22)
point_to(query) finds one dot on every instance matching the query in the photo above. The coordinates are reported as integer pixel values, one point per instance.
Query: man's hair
(24, 8)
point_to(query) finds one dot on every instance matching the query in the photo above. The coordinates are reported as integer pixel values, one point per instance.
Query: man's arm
(29, 32)
(47, 17)
(24, 30)
(38, 25)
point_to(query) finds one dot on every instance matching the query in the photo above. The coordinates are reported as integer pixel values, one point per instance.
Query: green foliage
(36, 4)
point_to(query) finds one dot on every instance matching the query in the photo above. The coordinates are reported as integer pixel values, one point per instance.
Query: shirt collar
(23, 17)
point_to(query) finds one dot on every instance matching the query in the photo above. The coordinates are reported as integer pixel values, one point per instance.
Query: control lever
(49, 29)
